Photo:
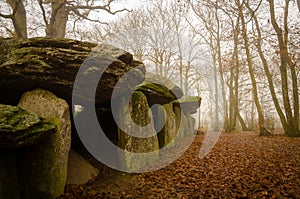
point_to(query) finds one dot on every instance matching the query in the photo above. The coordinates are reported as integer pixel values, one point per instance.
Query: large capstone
(53, 64)
(42, 168)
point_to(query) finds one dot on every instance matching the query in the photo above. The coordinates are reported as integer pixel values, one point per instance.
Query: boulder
(186, 106)
(52, 64)
(156, 93)
(188, 103)
(80, 171)
(168, 132)
(42, 168)
(140, 113)
(19, 128)
(173, 88)
(159, 90)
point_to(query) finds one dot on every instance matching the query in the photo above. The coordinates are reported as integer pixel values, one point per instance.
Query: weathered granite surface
(52, 64)
(42, 168)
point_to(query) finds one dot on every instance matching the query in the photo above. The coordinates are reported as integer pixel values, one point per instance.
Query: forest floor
(241, 165)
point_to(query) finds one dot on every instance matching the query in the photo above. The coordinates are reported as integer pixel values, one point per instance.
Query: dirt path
(241, 165)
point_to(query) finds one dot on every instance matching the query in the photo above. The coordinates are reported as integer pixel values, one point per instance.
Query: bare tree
(159, 35)
(262, 129)
(214, 31)
(292, 117)
(18, 17)
(130, 33)
(60, 12)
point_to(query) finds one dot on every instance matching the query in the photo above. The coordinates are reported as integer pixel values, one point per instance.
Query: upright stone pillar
(42, 168)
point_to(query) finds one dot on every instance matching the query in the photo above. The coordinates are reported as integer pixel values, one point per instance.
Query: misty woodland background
(241, 57)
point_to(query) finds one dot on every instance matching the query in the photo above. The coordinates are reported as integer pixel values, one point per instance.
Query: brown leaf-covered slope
(239, 166)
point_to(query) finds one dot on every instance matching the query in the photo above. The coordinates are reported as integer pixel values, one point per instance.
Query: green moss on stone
(21, 128)
(188, 99)
(56, 122)
(155, 88)
(156, 93)
(139, 113)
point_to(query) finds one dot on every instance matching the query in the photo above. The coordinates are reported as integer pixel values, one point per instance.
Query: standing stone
(18, 128)
(167, 134)
(181, 123)
(138, 112)
(184, 108)
(190, 123)
(80, 171)
(8, 176)
(42, 168)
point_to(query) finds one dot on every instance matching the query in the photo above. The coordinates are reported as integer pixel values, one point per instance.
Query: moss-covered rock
(52, 64)
(20, 128)
(42, 168)
(188, 103)
(140, 113)
(156, 93)
(151, 77)
(159, 90)
(168, 132)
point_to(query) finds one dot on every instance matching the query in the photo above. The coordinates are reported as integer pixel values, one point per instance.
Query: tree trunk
(234, 78)
(242, 122)
(231, 125)
(262, 129)
(216, 115)
(186, 78)
(58, 21)
(19, 18)
(267, 72)
(218, 35)
(292, 128)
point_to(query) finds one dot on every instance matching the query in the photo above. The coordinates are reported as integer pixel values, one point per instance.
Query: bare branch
(6, 16)
(9, 31)
(85, 17)
(43, 11)
(105, 8)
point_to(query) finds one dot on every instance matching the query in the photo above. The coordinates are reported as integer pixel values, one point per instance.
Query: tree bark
(292, 121)
(58, 21)
(242, 122)
(18, 18)
(234, 81)
(267, 72)
(262, 129)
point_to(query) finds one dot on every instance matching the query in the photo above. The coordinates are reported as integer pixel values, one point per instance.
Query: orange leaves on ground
(241, 165)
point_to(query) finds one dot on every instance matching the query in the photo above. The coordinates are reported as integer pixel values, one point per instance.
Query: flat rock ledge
(19, 128)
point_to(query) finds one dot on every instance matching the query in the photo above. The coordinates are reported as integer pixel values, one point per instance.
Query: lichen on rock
(49, 178)
(138, 112)
(53, 64)
(20, 128)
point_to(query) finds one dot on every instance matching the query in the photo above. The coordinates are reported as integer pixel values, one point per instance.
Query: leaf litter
(241, 165)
